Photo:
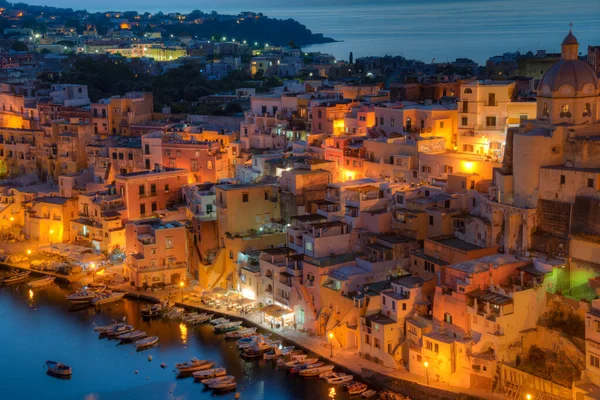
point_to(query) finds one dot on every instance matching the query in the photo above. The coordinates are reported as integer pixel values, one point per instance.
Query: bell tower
(570, 46)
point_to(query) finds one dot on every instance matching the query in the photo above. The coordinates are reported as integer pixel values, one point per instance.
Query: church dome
(570, 39)
(575, 73)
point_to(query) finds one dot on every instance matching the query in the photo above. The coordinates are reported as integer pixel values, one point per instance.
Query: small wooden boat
(219, 321)
(81, 296)
(103, 329)
(42, 282)
(175, 313)
(209, 373)
(201, 319)
(276, 353)
(243, 332)
(194, 365)
(316, 371)
(15, 277)
(58, 369)
(369, 393)
(119, 329)
(154, 311)
(189, 316)
(146, 343)
(131, 336)
(220, 379)
(348, 383)
(356, 389)
(302, 367)
(223, 387)
(300, 361)
(289, 358)
(327, 375)
(106, 298)
(339, 378)
(227, 327)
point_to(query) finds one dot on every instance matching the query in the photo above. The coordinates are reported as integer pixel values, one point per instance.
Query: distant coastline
(247, 26)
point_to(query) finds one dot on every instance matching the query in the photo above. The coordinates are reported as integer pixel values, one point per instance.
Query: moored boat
(219, 321)
(194, 365)
(316, 371)
(339, 379)
(357, 388)
(16, 277)
(106, 298)
(209, 373)
(119, 329)
(189, 316)
(223, 387)
(175, 312)
(154, 311)
(227, 327)
(81, 296)
(369, 393)
(42, 282)
(58, 369)
(243, 332)
(302, 367)
(201, 319)
(146, 343)
(131, 336)
(220, 379)
(299, 361)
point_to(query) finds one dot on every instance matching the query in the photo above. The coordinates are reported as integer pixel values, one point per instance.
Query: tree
(19, 46)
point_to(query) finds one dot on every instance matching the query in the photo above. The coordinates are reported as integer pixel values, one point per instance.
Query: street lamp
(528, 396)
(29, 257)
(93, 267)
(181, 286)
(50, 236)
(426, 364)
(330, 344)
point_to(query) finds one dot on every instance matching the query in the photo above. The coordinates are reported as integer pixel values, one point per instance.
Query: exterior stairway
(303, 294)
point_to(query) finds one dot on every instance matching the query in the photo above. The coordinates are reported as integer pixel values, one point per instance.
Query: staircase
(303, 293)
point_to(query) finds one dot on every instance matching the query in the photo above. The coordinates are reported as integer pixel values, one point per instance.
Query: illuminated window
(587, 110)
(169, 242)
(565, 111)
(545, 111)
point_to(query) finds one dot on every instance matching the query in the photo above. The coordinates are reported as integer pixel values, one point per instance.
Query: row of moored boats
(95, 296)
(17, 276)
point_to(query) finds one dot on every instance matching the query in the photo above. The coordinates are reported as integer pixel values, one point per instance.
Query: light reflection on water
(40, 325)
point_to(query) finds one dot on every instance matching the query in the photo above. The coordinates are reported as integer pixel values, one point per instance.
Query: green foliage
(565, 320)
(551, 366)
(18, 46)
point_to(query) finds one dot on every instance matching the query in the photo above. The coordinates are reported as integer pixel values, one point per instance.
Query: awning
(276, 311)
(244, 301)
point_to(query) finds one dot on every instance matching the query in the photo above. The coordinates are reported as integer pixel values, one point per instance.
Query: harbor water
(40, 325)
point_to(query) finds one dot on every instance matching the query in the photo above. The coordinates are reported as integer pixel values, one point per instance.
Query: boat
(175, 312)
(290, 357)
(146, 343)
(260, 342)
(327, 375)
(189, 316)
(209, 373)
(103, 329)
(118, 330)
(339, 379)
(220, 379)
(220, 320)
(58, 369)
(81, 296)
(42, 282)
(194, 365)
(240, 333)
(106, 298)
(16, 277)
(369, 393)
(276, 353)
(300, 361)
(223, 387)
(302, 367)
(201, 319)
(357, 388)
(156, 310)
(316, 371)
(227, 327)
(131, 336)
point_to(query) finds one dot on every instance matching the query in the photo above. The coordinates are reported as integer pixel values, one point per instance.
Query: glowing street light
(330, 344)
(29, 257)
(528, 396)
(181, 286)
(93, 267)
(426, 364)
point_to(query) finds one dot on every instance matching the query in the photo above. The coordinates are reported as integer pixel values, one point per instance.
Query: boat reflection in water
(39, 328)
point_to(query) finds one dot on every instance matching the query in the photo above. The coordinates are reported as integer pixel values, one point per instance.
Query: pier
(64, 278)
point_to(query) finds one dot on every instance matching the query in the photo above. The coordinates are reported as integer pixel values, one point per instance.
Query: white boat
(218, 321)
(299, 362)
(103, 329)
(42, 282)
(189, 316)
(146, 343)
(119, 329)
(106, 298)
(240, 334)
(132, 336)
(339, 379)
(328, 374)
(194, 365)
(276, 352)
(294, 357)
(220, 379)
(16, 277)
(369, 393)
(209, 373)
(223, 387)
(155, 310)
(201, 319)
(58, 369)
(299, 368)
(228, 326)
(81, 296)
(316, 371)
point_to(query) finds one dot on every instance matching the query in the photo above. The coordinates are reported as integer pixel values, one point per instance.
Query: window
(563, 179)
(142, 209)
(436, 348)
(545, 111)
(412, 329)
(429, 266)
(464, 121)
(587, 110)
(130, 156)
(114, 156)
(122, 191)
(403, 306)
(594, 361)
(492, 99)
(447, 169)
(266, 195)
(431, 220)
(590, 183)
(244, 197)
(441, 124)
(468, 91)
(392, 122)
(428, 345)
(309, 246)
(448, 318)
(468, 148)
(142, 189)
(495, 146)
(121, 157)
(376, 343)
(367, 339)
(522, 118)
(381, 120)
(425, 169)
(153, 207)
(377, 327)
(565, 111)
(393, 305)
(167, 188)
(209, 164)
(194, 165)
(490, 121)
(169, 242)
(153, 188)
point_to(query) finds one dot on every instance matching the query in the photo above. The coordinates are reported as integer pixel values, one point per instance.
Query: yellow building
(47, 219)
(115, 114)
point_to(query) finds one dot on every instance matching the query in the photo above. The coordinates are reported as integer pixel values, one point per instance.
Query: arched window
(468, 91)
(565, 111)
(545, 111)
(408, 124)
(587, 110)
